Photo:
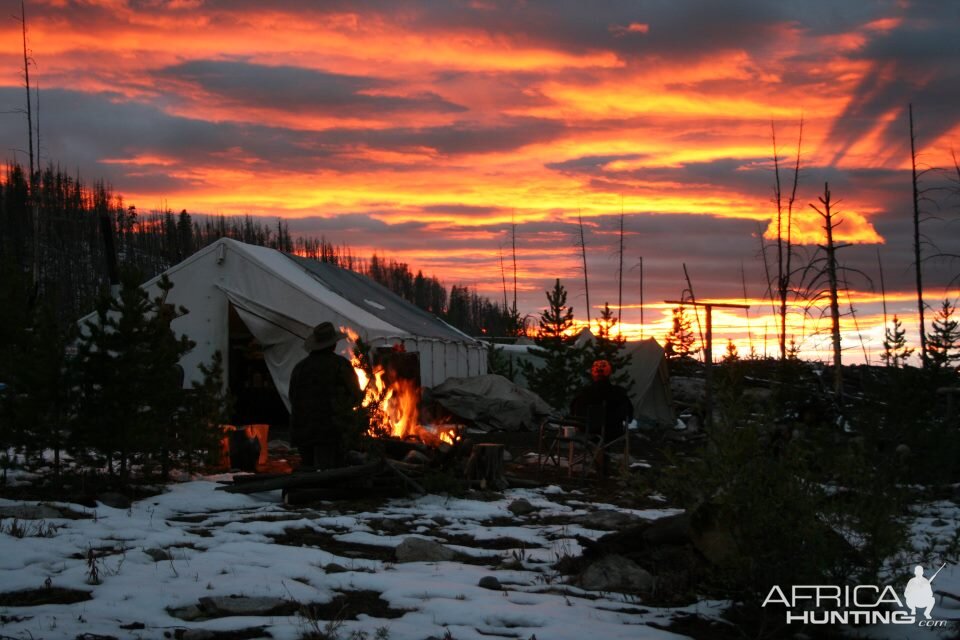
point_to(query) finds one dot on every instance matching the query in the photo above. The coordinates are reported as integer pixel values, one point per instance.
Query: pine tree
(207, 408)
(609, 347)
(679, 342)
(513, 323)
(731, 354)
(184, 235)
(895, 350)
(943, 343)
(458, 311)
(38, 406)
(556, 381)
(128, 375)
(165, 377)
(14, 324)
(499, 363)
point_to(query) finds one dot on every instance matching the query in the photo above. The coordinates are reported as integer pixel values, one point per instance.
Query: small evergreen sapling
(207, 409)
(40, 406)
(895, 350)
(679, 342)
(943, 343)
(559, 377)
(609, 347)
(128, 378)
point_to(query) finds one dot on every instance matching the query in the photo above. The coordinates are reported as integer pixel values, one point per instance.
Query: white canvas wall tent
(280, 298)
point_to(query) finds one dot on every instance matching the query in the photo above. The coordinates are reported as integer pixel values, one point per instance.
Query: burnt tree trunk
(924, 362)
(829, 224)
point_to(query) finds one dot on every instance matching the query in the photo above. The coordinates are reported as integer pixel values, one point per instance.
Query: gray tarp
(491, 401)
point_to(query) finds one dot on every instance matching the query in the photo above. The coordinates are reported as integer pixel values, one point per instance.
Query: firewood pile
(393, 467)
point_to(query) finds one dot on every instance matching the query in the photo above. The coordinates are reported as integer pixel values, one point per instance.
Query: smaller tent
(651, 382)
(649, 375)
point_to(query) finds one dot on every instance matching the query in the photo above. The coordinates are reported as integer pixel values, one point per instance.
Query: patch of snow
(215, 543)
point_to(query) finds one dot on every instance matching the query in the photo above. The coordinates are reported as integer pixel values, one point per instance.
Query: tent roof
(379, 301)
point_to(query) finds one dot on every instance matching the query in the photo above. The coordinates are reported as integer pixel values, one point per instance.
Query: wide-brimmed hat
(324, 335)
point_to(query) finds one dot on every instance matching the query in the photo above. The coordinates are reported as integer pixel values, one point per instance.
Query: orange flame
(396, 405)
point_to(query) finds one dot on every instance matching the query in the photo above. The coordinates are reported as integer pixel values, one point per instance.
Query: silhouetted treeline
(54, 244)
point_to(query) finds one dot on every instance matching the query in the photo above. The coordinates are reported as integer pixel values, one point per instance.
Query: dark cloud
(677, 30)
(457, 138)
(590, 164)
(300, 90)
(83, 130)
(918, 62)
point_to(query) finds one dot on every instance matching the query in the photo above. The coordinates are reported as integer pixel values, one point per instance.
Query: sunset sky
(421, 129)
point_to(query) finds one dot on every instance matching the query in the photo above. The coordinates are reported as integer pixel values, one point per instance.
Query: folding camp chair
(568, 439)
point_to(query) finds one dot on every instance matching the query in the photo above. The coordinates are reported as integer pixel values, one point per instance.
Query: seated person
(603, 406)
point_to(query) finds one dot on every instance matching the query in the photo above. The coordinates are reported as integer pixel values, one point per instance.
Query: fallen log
(310, 479)
(256, 477)
(407, 480)
(397, 448)
(407, 467)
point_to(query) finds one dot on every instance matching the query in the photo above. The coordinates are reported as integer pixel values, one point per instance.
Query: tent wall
(441, 359)
(280, 302)
(651, 381)
(206, 321)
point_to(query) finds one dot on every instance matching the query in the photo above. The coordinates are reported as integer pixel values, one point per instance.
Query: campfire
(407, 448)
(392, 393)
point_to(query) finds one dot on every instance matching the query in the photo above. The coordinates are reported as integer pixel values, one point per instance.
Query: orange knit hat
(601, 370)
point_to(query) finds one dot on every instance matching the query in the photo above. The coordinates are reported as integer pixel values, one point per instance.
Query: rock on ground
(415, 549)
(114, 500)
(616, 573)
(30, 512)
(521, 507)
(607, 519)
(223, 606)
(226, 606)
(490, 582)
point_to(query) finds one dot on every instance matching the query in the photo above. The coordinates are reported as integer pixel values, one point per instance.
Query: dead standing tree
(33, 197)
(784, 242)
(916, 242)
(919, 195)
(830, 269)
(824, 277)
(582, 245)
(26, 83)
(620, 276)
(513, 244)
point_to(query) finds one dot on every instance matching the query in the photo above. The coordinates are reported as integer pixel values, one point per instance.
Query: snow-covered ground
(165, 553)
(222, 544)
